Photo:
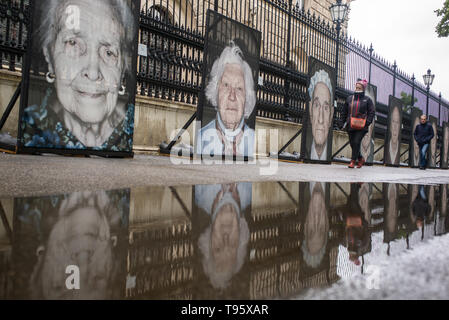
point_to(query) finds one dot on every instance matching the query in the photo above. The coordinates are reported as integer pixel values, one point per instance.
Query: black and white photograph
(445, 147)
(413, 157)
(317, 131)
(82, 85)
(367, 145)
(87, 230)
(393, 138)
(227, 108)
(432, 152)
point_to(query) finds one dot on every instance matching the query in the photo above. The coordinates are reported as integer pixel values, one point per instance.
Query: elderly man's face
(321, 113)
(317, 224)
(88, 61)
(415, 144)
(225, 238)
(395, 125)
(231, 95)
(423, 119)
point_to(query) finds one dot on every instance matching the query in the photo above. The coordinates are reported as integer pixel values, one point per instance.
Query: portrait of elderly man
(321, 113)
(223, 244)
(231, 91)
(88, 50)
(445, 147)
(415, 144)
(394, 141)
(433, 146)
(316, 226)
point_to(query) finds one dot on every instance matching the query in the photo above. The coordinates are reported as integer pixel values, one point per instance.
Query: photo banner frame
(316, 140)
(367, 146)
(444, 152)
(226, 112)
(76, 99)
(432, 152)
(413, 157)
(392, 149)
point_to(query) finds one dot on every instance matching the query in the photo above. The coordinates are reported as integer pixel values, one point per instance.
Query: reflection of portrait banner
(88, 230)
(392, 148)
(316, 143)
(314, 198)
(367, 146)
(444, 147)
(391, 207)
(220, 222)
(79, 87)
(413, 157)
(226, 115)
(432, 153)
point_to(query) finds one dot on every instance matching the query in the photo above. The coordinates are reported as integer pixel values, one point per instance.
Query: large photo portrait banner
(226, 114)
(432, 151)
(78, 93)
(367, 147)
(316, 143)
(392, 148)
(413, 158)
(445, 147)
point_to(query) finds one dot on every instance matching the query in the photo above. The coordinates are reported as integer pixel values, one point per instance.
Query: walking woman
(358, 113)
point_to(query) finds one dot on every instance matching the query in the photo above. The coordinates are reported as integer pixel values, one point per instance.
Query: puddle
(265, 240)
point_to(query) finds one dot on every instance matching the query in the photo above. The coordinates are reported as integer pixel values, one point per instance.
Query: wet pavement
(259, 240)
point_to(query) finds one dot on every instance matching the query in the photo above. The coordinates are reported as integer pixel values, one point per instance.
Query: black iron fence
(173, 31)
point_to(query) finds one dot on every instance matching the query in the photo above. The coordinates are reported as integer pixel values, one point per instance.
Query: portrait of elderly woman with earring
(231, 91)
(88, 50)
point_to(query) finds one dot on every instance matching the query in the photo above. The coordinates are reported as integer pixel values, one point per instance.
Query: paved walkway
(24, 175)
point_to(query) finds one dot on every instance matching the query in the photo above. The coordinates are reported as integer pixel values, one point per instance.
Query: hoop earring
(122, 90)
(50, 77)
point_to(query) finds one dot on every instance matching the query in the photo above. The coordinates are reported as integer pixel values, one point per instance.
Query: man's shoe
(361, 162)
(352, 164)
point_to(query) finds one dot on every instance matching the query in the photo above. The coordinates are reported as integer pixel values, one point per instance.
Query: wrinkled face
(231, 95)
(321, 113)
(395, 125)
(433, 142)
(445, 143)
(367, 140)
(225, 237)
(87, 60)
(392, 213)
(81, 239)
(316, 225)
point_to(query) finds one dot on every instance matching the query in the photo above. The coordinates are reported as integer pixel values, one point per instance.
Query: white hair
(52, 10)
(220, 280)
(320, 76)
(231, 54)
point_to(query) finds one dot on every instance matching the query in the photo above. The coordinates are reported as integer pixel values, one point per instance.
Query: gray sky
(404, 30)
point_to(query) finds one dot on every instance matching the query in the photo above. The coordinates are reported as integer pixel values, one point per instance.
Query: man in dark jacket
(360, 106)
(423, 135)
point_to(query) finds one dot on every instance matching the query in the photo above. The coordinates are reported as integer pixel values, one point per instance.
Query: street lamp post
(428, 80)
(338, 12)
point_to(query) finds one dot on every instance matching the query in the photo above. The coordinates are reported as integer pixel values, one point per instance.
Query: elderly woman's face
(225, 238)
(88, 62)
(231, 95)
(321, 112)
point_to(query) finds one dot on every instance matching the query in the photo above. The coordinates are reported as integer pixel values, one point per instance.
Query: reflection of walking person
(423, 135)
(358, 106)
(421, 207)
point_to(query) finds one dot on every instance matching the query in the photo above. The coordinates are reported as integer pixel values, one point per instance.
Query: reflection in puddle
(225, 241)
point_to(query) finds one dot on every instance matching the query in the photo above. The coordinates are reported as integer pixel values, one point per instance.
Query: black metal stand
(287, 158)
(12, 102)
(167, 150)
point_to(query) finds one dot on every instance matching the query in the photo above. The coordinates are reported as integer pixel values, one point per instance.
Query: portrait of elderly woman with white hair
(231, 91)
(224, 242)
(85, 49)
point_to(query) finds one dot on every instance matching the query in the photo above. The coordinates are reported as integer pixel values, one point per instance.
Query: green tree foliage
(407, 101)
(442, 28)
